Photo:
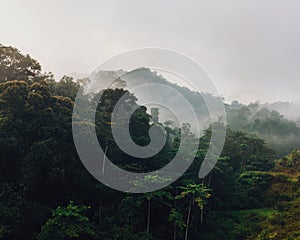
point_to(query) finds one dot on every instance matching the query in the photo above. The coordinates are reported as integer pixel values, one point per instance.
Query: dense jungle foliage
(46, 193)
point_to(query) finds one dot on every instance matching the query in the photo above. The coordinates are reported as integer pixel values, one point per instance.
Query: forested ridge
(281, 133)
(46, 193)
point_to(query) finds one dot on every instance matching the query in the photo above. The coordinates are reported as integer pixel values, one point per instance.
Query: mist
(251, 48)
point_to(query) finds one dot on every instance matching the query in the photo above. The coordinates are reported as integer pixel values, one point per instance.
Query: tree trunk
(148, 216)
(175, 231)
(100, 212)
(201, 214)
(188, 220)
(104, 160)
(243, 164)
(209, 180)
(175, 227)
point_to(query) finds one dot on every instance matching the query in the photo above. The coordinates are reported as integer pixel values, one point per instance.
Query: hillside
(275, 212)
(46, 193)
(281, 133)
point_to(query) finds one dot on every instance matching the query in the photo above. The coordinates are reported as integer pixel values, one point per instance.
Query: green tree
(66, 87)
(162, 195)
(68, 223)
(16, 66)
(197, 194)
(176, 217)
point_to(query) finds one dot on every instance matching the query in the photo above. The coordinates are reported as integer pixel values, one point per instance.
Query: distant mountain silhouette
(148, 85)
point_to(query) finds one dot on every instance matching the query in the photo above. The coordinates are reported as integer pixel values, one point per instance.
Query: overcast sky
(251, 48)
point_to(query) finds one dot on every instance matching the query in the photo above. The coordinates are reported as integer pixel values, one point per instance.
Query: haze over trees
(280, 131)
(46, 193)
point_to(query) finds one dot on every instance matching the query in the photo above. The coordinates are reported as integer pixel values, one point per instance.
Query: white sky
(250, 47)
